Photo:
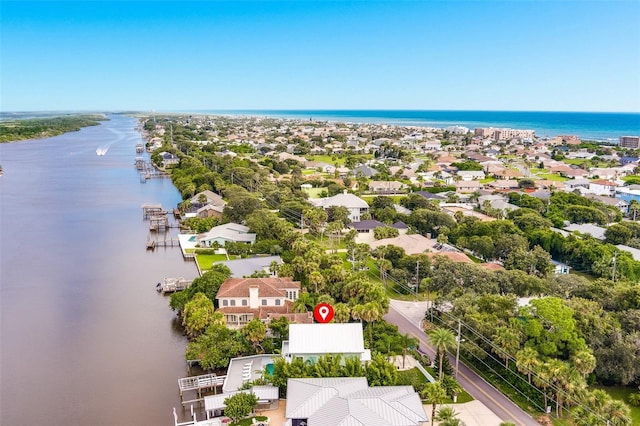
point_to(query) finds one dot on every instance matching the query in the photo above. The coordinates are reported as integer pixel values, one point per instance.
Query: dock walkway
(170, 285)
(198, 384)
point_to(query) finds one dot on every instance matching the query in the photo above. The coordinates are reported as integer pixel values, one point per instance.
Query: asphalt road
(502, 406)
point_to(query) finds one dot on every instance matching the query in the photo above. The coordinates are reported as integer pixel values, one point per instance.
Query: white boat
(101, 151)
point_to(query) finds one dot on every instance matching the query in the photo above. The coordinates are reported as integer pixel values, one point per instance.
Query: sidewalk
(473, 413)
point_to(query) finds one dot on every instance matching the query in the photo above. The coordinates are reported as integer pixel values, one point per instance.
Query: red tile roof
(267, 287)
(454, 256)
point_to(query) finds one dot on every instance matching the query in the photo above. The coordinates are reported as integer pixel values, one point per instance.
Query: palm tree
(618, 413)
(582, 417)
(303, 303)
(406, 341)
(433, 393)
(558, 370)
(452, 386)
(574, 386)
(443, 340)
(316, 279)
(356, 312)
(371, 311)
(584, 361)
(341, 312)
(446, 416)
(542, 379)
(527, 361)
(508, 342)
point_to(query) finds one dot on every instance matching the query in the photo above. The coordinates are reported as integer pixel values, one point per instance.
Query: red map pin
(323, 313)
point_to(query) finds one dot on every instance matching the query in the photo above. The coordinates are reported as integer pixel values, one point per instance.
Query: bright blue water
(601, 126)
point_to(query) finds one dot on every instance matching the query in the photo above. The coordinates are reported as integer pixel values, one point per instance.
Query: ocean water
(598, 126)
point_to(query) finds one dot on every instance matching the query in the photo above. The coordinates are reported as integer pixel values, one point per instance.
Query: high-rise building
(632, 142)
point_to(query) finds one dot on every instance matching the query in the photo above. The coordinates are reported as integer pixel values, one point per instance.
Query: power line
(551, 385)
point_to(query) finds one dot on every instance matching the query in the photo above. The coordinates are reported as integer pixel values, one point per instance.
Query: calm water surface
(85, 338)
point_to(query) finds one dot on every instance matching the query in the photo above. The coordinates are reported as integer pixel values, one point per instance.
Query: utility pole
(417, 277)
(458, 339)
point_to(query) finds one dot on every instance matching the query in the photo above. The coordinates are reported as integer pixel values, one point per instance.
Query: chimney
(253, 297)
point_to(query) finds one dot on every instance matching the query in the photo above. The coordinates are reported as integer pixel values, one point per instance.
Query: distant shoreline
(596, 126)
(29, 128)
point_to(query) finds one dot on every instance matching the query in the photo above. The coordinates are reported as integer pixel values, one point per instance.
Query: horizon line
(120, 110)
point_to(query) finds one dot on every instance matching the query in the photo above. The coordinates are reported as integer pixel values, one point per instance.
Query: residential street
(407, 316)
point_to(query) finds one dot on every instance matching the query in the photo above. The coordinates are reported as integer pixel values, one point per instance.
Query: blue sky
(458, 55)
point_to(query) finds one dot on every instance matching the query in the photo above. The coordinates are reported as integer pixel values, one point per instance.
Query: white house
(467, 175)
(221, 234)
(603, 187)
(353, 203)
(560, 268)
(350, 401)
(310, 341)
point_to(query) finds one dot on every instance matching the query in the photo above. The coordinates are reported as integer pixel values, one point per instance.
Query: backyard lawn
(205, 261)
(329, 159)
(553, 177)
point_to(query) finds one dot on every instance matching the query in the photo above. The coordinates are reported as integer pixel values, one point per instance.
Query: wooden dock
(149, 210)
(166, 242)
(147, 170)
(171, 285)
(198, 384)
(159, 222)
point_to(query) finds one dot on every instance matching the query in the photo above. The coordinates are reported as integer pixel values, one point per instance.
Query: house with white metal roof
(311, 341)
(353, 203)
(233, 232)
(350, 401)
(250, 265)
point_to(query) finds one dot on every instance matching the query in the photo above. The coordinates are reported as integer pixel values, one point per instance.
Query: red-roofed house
(243, 299)
(451, 255)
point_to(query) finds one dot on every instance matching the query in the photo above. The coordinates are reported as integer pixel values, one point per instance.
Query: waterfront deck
(205, 382)
(149, 210)
(171, 285)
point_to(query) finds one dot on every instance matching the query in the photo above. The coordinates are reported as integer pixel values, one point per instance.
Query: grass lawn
(535, 170)
(505, 388)
(396, 198)
(415, 378)
(205, 261)
(631, 177)
(411, 377)
(622, 393)
(487, 180)
(327, 159)
(314, 192)
(553, 177)
(575, 161)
